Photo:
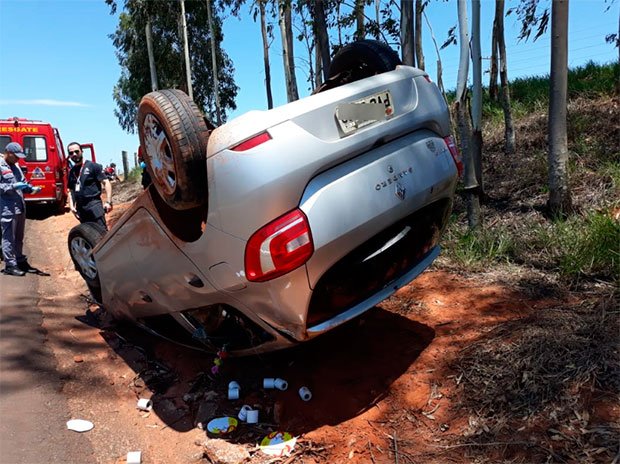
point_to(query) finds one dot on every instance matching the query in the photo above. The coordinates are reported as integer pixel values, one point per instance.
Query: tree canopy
(131, 50)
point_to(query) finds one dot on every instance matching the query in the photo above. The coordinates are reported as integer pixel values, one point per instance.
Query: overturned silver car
(280, 225)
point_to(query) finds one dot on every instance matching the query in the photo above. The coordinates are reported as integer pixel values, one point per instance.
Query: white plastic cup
(281, 384)
(233, 393)
(305, 394)
(145, 404)
(233, 384)
(243, 412)
(134, 457)
(269, 383)
(252, 416)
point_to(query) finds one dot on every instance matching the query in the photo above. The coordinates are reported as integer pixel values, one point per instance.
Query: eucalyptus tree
(135, 80)
(407, 33)
(288, 54)
(469, 179)
(559, 192)
(419, 53)
(509, 131)
(476, 114)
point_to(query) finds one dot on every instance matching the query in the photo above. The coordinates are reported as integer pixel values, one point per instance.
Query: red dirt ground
(382, 377)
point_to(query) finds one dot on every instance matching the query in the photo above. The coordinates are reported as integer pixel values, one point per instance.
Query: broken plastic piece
(252, 416)
(233, 393)
(79, 425)
(243, 412)
(305, 394)
(134, 457)
(281, 384)
(278, 444)
(222, 425)
(145, 404)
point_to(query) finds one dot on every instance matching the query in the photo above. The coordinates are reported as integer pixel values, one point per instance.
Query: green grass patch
(478, 248)
(580, 246)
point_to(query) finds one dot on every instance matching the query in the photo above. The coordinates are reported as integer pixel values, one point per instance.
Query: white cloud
(43, 102)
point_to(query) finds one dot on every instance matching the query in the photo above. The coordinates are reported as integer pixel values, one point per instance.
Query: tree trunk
(469, 179)
(509, 132)
(286, 31)
(407, 32)
(378, 16)
(338, 24)
(476, 58)
(216, 85)
(319, 66)
(188, 66)
(419, 53)
(494, 45)
(125, 165)
(559, 193)
(149, 48)
(322, 39)
(263, 28)
(439, 71)
(360, 33)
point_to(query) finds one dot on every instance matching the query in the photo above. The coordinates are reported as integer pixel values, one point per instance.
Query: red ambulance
(46, 164)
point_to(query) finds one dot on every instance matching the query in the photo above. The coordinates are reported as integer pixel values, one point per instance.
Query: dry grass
(546, 380)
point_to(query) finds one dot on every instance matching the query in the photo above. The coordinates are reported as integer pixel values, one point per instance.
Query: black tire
(359, 60)
(82, 239)
(174, 136)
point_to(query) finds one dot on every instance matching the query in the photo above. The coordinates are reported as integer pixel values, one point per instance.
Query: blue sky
(57, 63)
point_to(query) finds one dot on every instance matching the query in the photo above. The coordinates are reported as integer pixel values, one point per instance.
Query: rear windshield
(4, 141)
(35, 148)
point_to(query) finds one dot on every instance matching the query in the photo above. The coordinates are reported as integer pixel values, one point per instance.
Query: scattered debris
(222, 425)
(79, 425)
(134, 457)
(278, 443)
(305, 394)
(145, 404)
(252, 416)
(206, 410)
(243, 412)
(280, 384)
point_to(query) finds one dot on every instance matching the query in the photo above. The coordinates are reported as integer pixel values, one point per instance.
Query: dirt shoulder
(390, 384)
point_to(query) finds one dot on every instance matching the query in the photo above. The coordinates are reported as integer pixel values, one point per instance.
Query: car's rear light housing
(279, 247)
(456, 156)
(253, 142)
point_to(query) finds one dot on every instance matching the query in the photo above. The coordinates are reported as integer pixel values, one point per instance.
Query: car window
(4, 141)
(35, 148)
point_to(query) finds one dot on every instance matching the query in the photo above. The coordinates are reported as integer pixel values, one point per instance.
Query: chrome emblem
(400, 191)
(390, 169)
(430, 144)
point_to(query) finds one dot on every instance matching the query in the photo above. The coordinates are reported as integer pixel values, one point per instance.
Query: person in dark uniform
(13, 210)
(85, 181)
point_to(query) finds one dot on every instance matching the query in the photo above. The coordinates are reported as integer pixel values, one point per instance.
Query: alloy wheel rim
(159, 152)
(82, 252)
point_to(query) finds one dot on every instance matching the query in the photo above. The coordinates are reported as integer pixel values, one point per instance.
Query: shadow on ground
(347, 370)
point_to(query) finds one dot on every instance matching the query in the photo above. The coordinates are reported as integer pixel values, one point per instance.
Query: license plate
(352, 116)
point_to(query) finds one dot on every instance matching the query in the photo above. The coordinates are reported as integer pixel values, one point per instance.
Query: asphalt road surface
(33, 411)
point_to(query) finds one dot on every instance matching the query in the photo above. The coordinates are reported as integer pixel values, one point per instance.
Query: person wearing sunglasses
(13, 210)
(85, 183)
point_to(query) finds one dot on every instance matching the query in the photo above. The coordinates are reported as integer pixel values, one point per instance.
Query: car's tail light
(456, 156)
(253, 142)
(279, 247)
(57, 172)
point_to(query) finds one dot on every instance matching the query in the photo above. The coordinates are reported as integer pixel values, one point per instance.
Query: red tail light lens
(253, 142)
(279, 247)
(456, 156)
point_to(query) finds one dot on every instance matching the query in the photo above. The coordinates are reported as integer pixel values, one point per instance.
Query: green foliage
(130, 42)
(134, 175)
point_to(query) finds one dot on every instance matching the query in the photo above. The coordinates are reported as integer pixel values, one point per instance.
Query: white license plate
(351, 116)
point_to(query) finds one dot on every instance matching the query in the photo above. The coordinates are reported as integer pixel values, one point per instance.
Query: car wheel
(173, 136)
(82, 240)
(359, 60)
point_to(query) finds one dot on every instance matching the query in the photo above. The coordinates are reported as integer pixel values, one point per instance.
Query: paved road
(33, 411)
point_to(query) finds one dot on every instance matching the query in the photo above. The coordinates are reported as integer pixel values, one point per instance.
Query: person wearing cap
(13, 210)
(85, 181)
